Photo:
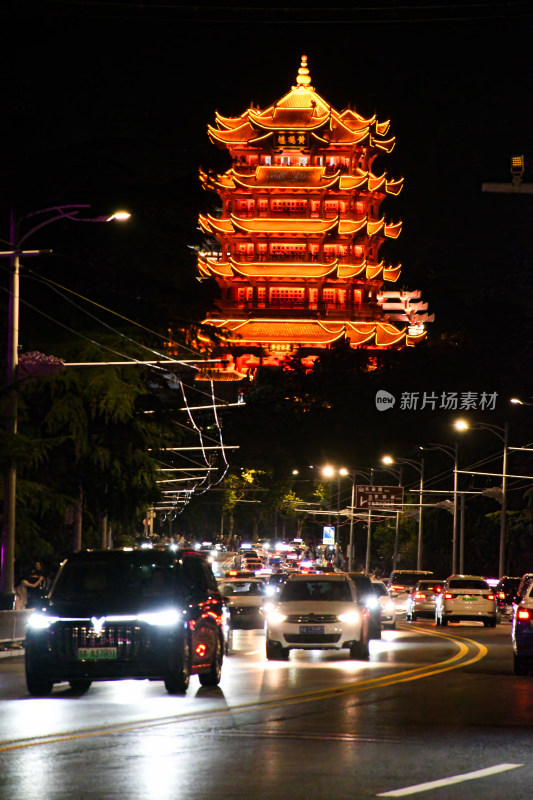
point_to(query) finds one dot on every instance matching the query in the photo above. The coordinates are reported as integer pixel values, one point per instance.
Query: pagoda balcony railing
(297, 214)
(291, 258)
(340, 311)
(330, 169)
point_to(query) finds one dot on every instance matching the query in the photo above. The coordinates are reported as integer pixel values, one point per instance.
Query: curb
(12, 649)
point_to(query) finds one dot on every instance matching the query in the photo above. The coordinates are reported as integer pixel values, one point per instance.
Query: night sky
(108, 103)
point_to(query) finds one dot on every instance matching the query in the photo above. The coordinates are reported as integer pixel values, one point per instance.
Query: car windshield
(380, 589)
(103, 578)
(242, 588)
(467, 583)
(407, 578)
(316, 590)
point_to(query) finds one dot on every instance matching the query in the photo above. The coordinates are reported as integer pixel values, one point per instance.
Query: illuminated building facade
(298, 237)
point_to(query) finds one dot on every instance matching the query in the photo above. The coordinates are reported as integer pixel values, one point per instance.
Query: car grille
(312, 638)
(313, 619)
(129, 639)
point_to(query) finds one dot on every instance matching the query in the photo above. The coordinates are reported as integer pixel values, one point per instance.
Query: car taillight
(438, 589)
(501, 595)
(448, 596)
(396, 587)
(523, 613)
(420, 596)
(490, 597)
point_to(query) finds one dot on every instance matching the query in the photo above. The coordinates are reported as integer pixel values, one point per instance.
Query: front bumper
(67, 652)
(330, 636)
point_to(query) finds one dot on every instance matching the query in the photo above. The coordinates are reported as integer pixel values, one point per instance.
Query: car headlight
(390, 607)
(39, 621)
(351, 617)
(371, 602)
(165, 618)
(275, 617)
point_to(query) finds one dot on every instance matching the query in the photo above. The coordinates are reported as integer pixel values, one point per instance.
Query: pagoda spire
(303, 79)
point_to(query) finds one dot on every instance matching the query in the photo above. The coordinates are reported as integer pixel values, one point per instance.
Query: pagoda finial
(303, 79)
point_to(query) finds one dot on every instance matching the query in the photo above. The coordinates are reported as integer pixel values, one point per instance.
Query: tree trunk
(78, 517)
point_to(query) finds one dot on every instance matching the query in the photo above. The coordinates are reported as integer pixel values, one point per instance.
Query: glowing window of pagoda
(285, 160)
(302, 161)
(267, 160)
(313, 295)
(343, 206)
(358, 250)
(280, 295)
(360, 207)
(262, 206)
(331, 207)
(328, 295)
(330, 250)
(315, 208)
(356, 296)
(333, 162)
(319, 161)
(261, 294)
(244, 294)
(342, 296)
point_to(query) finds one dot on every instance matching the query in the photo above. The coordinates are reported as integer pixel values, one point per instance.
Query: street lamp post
(503, 435)
(453, 452)
(16, 250)
(419, 467)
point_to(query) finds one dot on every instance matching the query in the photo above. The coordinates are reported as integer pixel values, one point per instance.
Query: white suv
(317, 612)
(466, 597)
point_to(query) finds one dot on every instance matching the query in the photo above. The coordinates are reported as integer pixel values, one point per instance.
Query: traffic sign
(379, 497)
(328, 534)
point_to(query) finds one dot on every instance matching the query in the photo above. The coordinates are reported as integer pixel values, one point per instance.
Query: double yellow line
(468, 653)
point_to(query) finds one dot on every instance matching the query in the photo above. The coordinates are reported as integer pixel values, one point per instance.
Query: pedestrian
(35, 585)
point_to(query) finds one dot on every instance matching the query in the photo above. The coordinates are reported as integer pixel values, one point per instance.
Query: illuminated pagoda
(298, 237)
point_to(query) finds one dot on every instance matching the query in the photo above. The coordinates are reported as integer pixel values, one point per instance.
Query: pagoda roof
(285, 225)
(353, 181)
(287, 177)
(288, 118)
(306, 331)
(275, 269)
(350, 226)
(302, 109)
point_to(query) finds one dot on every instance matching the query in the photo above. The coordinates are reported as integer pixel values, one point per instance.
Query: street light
(328, 472)
(419, 467)
(453, 452)
(15, 251)
(503, 435)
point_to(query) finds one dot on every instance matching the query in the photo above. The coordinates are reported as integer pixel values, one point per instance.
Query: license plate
(97, 653)
(469, 597)
(311, 629)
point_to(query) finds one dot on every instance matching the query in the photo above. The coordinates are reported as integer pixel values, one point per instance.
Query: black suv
(114, 614)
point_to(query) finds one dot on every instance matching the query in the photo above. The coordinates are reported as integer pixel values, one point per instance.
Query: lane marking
(467, 776)
(453, 662)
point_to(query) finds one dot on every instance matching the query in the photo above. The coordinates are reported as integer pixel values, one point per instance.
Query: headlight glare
(350, 617)
(39, 621)
(276, 617)
(164, 618)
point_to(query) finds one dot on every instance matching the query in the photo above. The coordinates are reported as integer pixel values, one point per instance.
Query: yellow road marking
(416, 673)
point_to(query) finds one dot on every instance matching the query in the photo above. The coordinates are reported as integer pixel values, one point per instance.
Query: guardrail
(13, 625)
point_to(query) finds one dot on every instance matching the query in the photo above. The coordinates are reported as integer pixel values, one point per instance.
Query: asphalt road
(435, 714)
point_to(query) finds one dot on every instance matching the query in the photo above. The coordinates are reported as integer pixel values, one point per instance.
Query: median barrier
(12, 631)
